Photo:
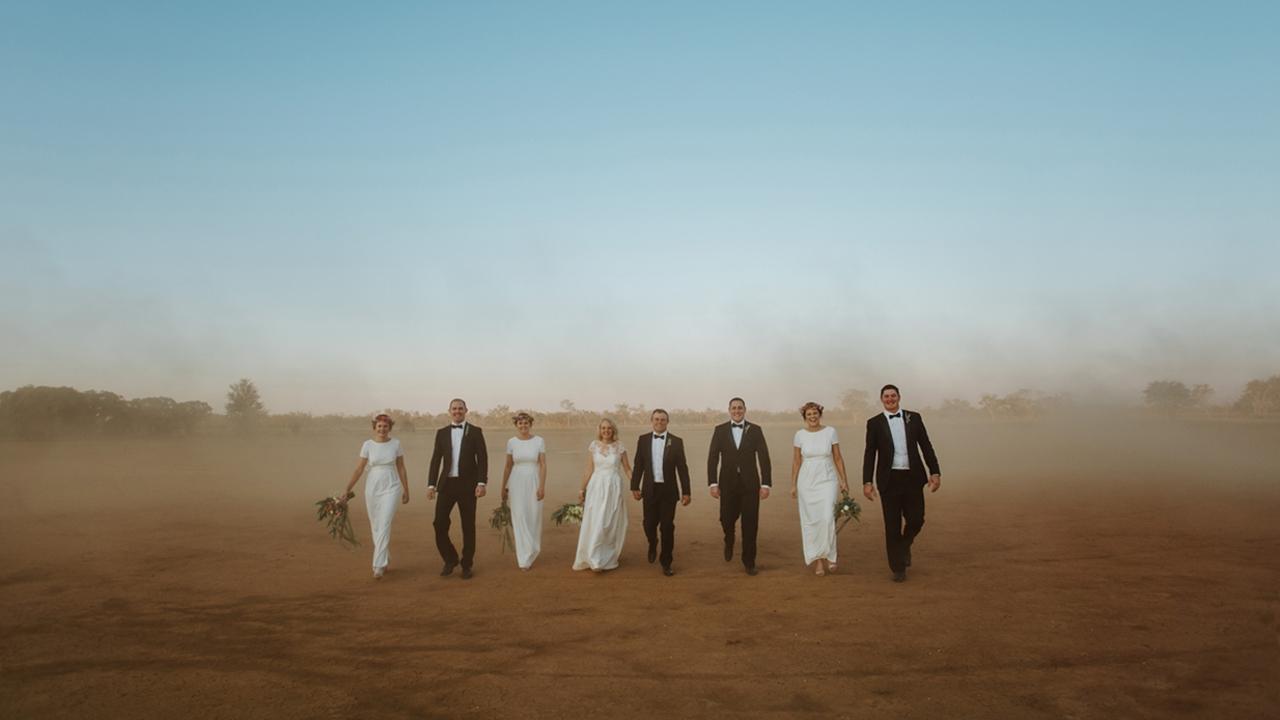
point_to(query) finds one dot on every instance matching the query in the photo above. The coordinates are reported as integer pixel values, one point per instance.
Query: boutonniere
(906, 419)
(667, 444)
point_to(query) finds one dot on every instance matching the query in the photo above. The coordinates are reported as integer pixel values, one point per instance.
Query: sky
(377, 205)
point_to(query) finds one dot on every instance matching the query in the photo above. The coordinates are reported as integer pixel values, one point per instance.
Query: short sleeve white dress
(522, 494)
(817, 489)
(382, 491)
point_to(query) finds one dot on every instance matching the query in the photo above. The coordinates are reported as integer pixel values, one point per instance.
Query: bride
(604, 511)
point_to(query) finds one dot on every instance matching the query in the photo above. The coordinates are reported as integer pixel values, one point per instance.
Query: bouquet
(501, 521)
(570, 513)
(847, 509)
(333, 512)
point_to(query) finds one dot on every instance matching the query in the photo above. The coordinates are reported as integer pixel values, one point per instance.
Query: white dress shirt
(455, 435)
(656, 450)
(898, 429)
(737, 433)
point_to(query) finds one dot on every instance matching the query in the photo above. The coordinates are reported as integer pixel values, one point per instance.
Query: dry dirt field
(1101, 569)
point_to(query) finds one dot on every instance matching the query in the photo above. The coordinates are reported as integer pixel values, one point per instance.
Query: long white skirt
(817, 488)
(604, 522)
(381, 498)
(526, 512)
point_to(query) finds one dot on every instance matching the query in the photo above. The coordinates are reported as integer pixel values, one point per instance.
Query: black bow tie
(457, 426)
(659, 437)
(739, 425)
(897, 414)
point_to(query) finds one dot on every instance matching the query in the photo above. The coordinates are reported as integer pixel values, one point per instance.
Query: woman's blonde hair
(611, 424)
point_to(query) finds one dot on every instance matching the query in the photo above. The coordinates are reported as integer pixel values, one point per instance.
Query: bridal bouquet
(568, 513)
(847, 509)
(500, 520)
(333, 512)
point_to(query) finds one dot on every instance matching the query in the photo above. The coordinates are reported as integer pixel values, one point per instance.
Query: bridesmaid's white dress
(817, 489)
(522, 496)
(604, 512)
(382, 491)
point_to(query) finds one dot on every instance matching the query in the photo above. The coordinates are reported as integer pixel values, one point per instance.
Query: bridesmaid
(387, 479)
(524, 483)
(817, 473)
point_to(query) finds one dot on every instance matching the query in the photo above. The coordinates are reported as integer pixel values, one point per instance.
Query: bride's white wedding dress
(604, 511)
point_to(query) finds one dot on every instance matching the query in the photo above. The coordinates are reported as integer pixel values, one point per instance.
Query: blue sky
(515, 202)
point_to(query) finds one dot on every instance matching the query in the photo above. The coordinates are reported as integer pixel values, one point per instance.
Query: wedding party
(540, 360)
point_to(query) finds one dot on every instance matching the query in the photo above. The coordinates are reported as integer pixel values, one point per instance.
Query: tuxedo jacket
(673, 465)
(737, 465)
(877, 460)
(473, 466)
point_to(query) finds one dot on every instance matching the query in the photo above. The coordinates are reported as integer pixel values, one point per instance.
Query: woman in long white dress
(388, 482)
(817, 476)
(524, 483)
(604, 507)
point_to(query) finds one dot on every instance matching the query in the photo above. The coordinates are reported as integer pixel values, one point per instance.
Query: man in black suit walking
(459, 472)
(895, 439)
(659, 460)
(736, 448)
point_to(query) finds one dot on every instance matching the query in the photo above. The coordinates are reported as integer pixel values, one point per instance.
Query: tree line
(42, 411)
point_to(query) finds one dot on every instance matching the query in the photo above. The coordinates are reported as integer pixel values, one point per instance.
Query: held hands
(636, 494)
(935, 482)
(869, 491)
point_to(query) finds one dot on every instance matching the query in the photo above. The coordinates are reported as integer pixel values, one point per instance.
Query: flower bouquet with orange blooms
(333, 512)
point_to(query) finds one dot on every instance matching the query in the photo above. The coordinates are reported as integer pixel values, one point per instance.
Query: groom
(659, 459)
(459, 471)
(736, 447)
(895, 439)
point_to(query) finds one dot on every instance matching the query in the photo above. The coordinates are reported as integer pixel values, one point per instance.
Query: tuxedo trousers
(660, 517)
(741, 501)
(902, 501)
(456, 491)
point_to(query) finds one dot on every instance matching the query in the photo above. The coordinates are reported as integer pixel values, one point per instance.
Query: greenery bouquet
(570, 513)
(847, 509)
(501, 521)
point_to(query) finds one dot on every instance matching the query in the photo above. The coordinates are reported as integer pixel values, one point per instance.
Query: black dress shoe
(466, 573)
(728, 550)
(666, 570)
(900, 576)
(653, 553)
(907, 557)
(752, 571)
(447, 570)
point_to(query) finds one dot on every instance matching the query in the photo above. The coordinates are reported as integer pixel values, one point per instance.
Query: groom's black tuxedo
(473, 468)
(901, 491)
(734, 469)
(660, 499)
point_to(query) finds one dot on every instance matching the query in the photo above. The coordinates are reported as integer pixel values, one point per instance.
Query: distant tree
(1200, 395)
(855, 403)
(1260, 397)
(1167, 396)
(956, 408)
(244, 406)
